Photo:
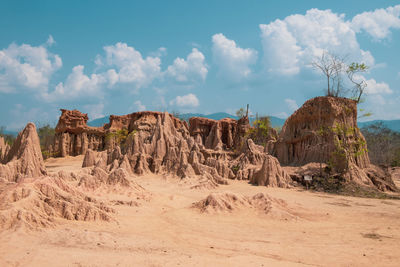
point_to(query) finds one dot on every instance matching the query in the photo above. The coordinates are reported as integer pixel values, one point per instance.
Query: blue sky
(117, 57)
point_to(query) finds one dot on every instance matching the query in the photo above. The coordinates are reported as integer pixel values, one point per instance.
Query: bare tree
(335, 69)
(332, 66)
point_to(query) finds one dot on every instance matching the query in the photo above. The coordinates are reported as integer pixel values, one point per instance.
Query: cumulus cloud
(127, 66)
(26, 67)
(233, 61)
(193, 69)
(94, 111)
(186, 101)
(295, 41)
(76, 85)
(377, 23)
(139, 106)
(291, 103)
(374, 87)
(162, 51)
(281, 52)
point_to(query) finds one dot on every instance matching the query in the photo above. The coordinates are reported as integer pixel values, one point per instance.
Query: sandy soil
(165, 230)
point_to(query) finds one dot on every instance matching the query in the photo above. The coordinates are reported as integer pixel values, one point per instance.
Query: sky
(119, 57)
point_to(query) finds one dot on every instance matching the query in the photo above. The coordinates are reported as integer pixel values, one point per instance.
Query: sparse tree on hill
(335, 68)
(240, 113)
(332, 66)
(359, 84)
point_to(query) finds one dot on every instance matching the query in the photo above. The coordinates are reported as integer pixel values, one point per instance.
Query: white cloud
(378, 22)
(291, 103)
(162, 51)
(94, 111)
(192, 69)
(374, 88)
(26, 67)
(50, 41)
(130, 66)
(294, 42)
(233, 61)
(189, 100)
(22, 114)
(139, 106)
(281, 115)
(281, 52)
(77, 85)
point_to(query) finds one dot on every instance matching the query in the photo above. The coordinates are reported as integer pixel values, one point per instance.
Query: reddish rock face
(323, 130)
(72, 121)
(131, 121)
(75, 137)
(223, 134)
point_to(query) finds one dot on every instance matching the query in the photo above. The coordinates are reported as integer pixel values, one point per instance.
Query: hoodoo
(24, 159)
(322, 130)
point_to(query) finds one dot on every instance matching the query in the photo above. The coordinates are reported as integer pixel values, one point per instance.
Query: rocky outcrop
(24, 159)
(271, 174)
(323, 130)
(222, 134)
(4, 148)
(73, 136)
(38, 203)
(159, 143)
(323, 135)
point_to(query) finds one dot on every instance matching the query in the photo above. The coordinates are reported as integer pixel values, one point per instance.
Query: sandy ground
(327, 230)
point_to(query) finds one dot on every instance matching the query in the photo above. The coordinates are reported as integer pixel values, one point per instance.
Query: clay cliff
(73, 136)
(162, 144)
(4, 148)
(222, 134)
(323, 130)
(24, 159)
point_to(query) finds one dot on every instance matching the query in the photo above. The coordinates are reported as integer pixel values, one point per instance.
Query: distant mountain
(13, 133)
(214, 116)
(98, 122)
(394, 125)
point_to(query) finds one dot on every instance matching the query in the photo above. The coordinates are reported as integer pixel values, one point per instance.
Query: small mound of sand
(230, 202)
(39, 202)
(222, 202)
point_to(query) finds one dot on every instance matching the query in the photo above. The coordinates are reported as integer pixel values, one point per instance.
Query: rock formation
(271, 174)
(4, 148)
(32, 198)
(323, 130)
(223, 134)
(40, 202)
(24, 159)
(74, 137)
(160, 143)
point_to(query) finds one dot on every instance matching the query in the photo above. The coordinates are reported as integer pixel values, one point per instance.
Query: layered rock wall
(323, 130)
(222, 134)
(73, 136)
